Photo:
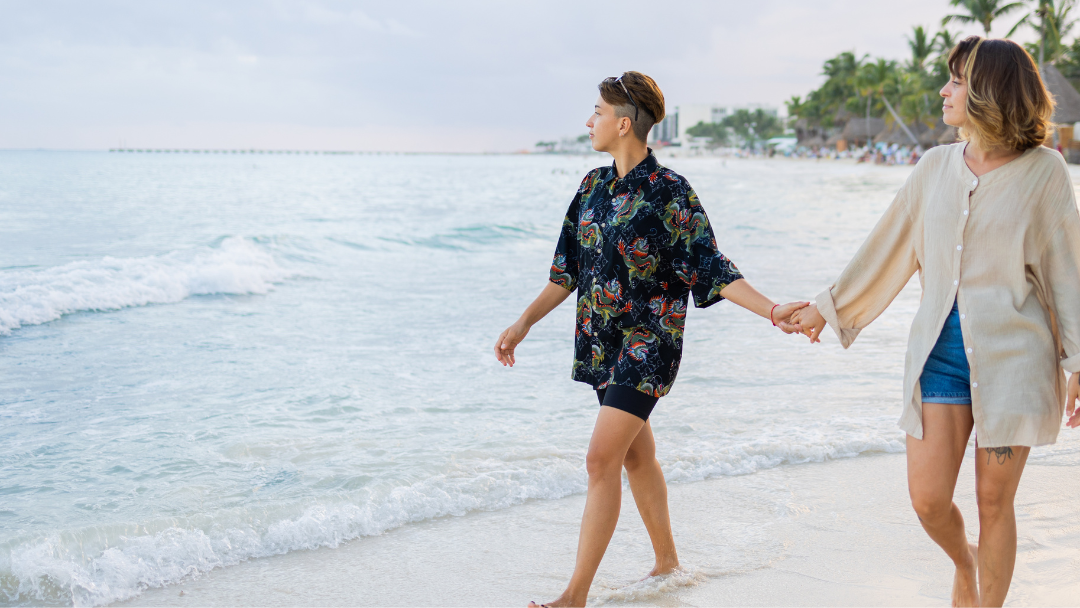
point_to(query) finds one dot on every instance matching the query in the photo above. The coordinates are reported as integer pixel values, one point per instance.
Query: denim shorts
(946, 377)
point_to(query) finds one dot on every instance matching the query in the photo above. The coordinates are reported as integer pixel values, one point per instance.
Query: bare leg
(615, 430)
(933, 465)
(650, 493)
(997, 476)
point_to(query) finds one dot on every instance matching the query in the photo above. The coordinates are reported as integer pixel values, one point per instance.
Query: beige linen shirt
(1006, 247)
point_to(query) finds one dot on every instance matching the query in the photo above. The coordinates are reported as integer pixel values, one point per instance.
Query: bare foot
(662, 569)
(559, 603)
(965, 590)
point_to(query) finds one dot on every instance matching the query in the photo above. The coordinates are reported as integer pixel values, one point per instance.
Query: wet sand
(840, 533)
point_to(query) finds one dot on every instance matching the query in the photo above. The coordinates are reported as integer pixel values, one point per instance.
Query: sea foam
(106, 564)
(232, 266)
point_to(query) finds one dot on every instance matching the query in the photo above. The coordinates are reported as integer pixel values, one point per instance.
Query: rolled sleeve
(827, 307)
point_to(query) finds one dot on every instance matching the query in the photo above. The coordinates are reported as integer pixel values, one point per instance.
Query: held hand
(810, 322)
(782, 315)
(508, 341)
(1071, 410)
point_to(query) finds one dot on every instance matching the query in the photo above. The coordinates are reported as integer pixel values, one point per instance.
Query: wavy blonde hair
(1008, 105)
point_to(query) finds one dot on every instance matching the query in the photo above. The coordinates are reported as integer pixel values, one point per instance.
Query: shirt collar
(636, 176)
(969, 178)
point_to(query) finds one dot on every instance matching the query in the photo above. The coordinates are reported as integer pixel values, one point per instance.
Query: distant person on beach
(991, 225)
(635, 244)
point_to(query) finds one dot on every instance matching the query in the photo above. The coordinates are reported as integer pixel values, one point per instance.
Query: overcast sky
(455, 75)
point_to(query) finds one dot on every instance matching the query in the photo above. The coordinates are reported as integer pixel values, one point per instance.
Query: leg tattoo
(1002, 454)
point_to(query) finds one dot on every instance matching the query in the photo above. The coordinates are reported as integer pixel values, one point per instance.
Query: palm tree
(944, 41)
(983, 12)
(921, 47)
(1052, 23)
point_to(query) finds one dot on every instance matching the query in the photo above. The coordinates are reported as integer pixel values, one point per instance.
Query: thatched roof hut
(894, 134)
(1066, 98)
(860, 130)
(948, 136)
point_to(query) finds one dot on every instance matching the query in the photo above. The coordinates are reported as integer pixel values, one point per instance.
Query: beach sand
(839, 533)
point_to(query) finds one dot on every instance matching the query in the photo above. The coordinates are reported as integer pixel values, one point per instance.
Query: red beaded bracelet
(771, 314)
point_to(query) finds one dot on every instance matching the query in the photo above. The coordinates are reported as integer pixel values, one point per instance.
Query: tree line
(860, 85)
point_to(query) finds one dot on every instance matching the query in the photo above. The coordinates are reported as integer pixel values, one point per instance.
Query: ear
(625, 126)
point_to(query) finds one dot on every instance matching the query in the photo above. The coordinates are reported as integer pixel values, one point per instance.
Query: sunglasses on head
(625, 90)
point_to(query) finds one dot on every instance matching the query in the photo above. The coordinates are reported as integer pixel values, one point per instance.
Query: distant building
(672, 130)
(666, 131)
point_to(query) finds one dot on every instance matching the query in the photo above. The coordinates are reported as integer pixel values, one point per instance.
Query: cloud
(469, 75)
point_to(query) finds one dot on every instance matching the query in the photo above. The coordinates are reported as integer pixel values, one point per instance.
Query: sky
(445, 76)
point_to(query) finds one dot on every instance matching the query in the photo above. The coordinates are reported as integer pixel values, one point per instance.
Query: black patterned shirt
(635, 249)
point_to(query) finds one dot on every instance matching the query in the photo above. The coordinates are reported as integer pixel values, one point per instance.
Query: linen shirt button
(963, 316)
(974, 182)
(969, 351)
(956, 282)
(959, 247)
(974, 385)
(965, 211)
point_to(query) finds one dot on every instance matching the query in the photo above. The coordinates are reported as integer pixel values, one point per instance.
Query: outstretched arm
(741, 292)
(549, 298)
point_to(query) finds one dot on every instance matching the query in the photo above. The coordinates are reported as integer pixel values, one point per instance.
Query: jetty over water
(239, 151)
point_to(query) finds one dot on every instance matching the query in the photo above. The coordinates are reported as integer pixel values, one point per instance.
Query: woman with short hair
(991, 225)
(635, 244)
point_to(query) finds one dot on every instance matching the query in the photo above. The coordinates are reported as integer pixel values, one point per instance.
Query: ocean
(208, 360)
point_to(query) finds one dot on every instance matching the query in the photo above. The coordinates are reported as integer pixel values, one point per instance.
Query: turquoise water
(207, 360)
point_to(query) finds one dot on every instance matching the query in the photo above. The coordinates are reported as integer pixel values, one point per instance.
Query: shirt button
(602, 224)
(974, 182)
(956, 282)
(959, 247)
(969, 351)
(974, 385)
(963, 316)
(965, 211)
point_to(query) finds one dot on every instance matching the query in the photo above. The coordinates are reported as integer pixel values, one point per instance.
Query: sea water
(210, 359)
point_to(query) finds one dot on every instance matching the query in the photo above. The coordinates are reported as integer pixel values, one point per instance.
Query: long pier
(237, 151)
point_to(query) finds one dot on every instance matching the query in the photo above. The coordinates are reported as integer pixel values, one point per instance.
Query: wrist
(772, 311)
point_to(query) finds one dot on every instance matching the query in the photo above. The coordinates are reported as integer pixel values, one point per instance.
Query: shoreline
(811, 534)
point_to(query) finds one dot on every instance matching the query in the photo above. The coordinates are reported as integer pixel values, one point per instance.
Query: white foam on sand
(836, 533)
(105, 564)
(232, 266)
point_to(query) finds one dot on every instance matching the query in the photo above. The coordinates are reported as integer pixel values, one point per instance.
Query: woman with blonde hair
(635, 245)
(991, 225)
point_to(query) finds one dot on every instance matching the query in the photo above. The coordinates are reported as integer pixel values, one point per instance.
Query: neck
(628, 155)
(980, 154)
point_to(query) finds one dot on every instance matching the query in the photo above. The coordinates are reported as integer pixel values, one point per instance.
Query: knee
(931, 507)
(994, 504)
(601, 464)
(636, 459)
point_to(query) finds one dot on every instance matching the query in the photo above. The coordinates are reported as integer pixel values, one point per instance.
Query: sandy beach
(843, 535)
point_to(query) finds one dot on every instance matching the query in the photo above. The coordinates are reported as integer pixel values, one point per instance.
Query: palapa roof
(857, 128)
(1066, 98)
(893, 134)
(948, 136)
(933, 136)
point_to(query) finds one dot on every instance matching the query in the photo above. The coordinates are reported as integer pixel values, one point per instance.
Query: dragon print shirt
(635, 249)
